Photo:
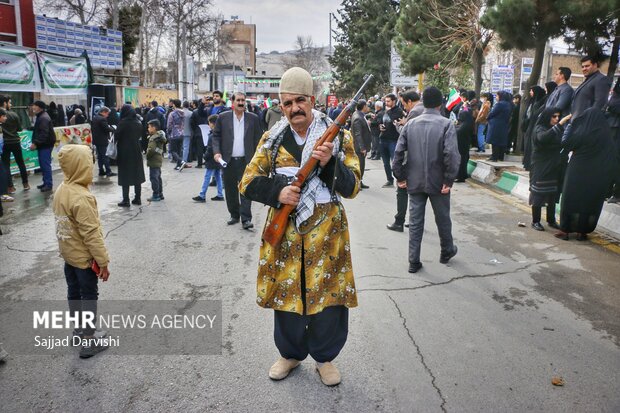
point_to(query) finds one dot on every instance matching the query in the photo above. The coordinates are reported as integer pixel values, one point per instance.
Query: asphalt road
(487, 332)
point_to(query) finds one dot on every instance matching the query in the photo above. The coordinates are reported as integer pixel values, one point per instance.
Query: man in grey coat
(429, 142)
(414, 108)
(562, 96)
(594, 91)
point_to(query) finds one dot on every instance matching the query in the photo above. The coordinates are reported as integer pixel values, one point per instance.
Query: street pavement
(485, 333)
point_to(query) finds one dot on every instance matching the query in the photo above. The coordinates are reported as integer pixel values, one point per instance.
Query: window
(6, 1)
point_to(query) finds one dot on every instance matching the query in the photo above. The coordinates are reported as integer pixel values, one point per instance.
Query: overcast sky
(279, 22)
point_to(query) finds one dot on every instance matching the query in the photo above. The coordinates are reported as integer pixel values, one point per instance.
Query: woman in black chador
(546, 166)
(589, 173)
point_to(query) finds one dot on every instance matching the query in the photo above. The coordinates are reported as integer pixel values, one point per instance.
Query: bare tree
(82, 10)
(307, 56)
(461, 37)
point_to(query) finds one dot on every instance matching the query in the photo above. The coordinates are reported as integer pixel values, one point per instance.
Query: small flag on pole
(453, 99)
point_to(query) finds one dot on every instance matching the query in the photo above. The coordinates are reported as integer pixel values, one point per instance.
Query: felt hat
(296, 81)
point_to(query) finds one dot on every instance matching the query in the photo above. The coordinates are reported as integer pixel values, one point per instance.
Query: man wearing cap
(274, 114)
(308, 278)
(426, 161)
(43, 140)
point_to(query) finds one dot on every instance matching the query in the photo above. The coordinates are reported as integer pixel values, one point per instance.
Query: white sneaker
(7, 198)
(182, 166)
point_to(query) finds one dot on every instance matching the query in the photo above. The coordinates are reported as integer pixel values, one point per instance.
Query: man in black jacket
(43, 140)
(362, 138)
(235, 137)
(464, 132)
(594, 91)
(389, 136)
(101, 135)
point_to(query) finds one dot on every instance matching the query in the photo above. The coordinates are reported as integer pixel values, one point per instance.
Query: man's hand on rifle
(289, 195)
(323, 153)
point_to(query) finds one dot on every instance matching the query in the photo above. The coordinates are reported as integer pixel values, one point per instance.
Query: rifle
(275, 231)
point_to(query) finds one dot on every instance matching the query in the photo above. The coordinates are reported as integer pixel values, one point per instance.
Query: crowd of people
(305, 276)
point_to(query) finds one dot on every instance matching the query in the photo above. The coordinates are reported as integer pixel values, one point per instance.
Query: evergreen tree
(129, 24)
(526, 24)
(442, 31)
(364, 32)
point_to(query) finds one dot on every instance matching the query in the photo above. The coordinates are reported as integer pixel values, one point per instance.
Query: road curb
(519, 186)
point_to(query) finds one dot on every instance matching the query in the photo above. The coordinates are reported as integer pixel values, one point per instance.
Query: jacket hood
(158, 136)
(276, 109)
(76, 162)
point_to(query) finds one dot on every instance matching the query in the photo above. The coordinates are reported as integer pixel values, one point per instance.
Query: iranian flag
(453, 99)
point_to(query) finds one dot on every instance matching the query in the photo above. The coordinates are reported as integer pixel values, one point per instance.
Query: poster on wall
(74, 134)
(19, 70)
(63, 75)
(130, 95)
(31, 158)
(96, 103)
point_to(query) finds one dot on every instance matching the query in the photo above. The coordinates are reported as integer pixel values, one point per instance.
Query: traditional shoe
(538, 226)
(282, 368)
(330, 376)
(415, 267)
(395, 227)
(561, 235)
(444, 258)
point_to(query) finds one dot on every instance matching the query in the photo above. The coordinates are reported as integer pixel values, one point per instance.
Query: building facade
(240, 50)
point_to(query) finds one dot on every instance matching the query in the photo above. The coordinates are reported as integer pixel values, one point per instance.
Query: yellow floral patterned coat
(323, 251)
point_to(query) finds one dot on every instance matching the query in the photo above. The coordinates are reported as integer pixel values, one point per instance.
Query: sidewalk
(510, 177)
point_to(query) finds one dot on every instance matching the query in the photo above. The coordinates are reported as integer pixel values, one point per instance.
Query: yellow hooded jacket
(80, 238)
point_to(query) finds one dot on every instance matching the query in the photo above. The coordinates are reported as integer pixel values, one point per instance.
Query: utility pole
(330, 33)
(183, 59)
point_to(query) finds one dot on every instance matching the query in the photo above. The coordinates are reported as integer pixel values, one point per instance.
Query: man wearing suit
(594, 91)
(362, 137)
(562, 96)
(235, 137)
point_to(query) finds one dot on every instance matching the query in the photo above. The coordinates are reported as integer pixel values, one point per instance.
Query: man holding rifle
(307, 278)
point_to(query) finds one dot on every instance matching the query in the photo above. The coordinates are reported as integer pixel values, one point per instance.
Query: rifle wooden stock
(275, 230)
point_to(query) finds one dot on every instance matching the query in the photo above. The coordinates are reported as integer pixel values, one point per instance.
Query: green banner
(63, 75)
(130, 94)
(18, 70)
(31, 158)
